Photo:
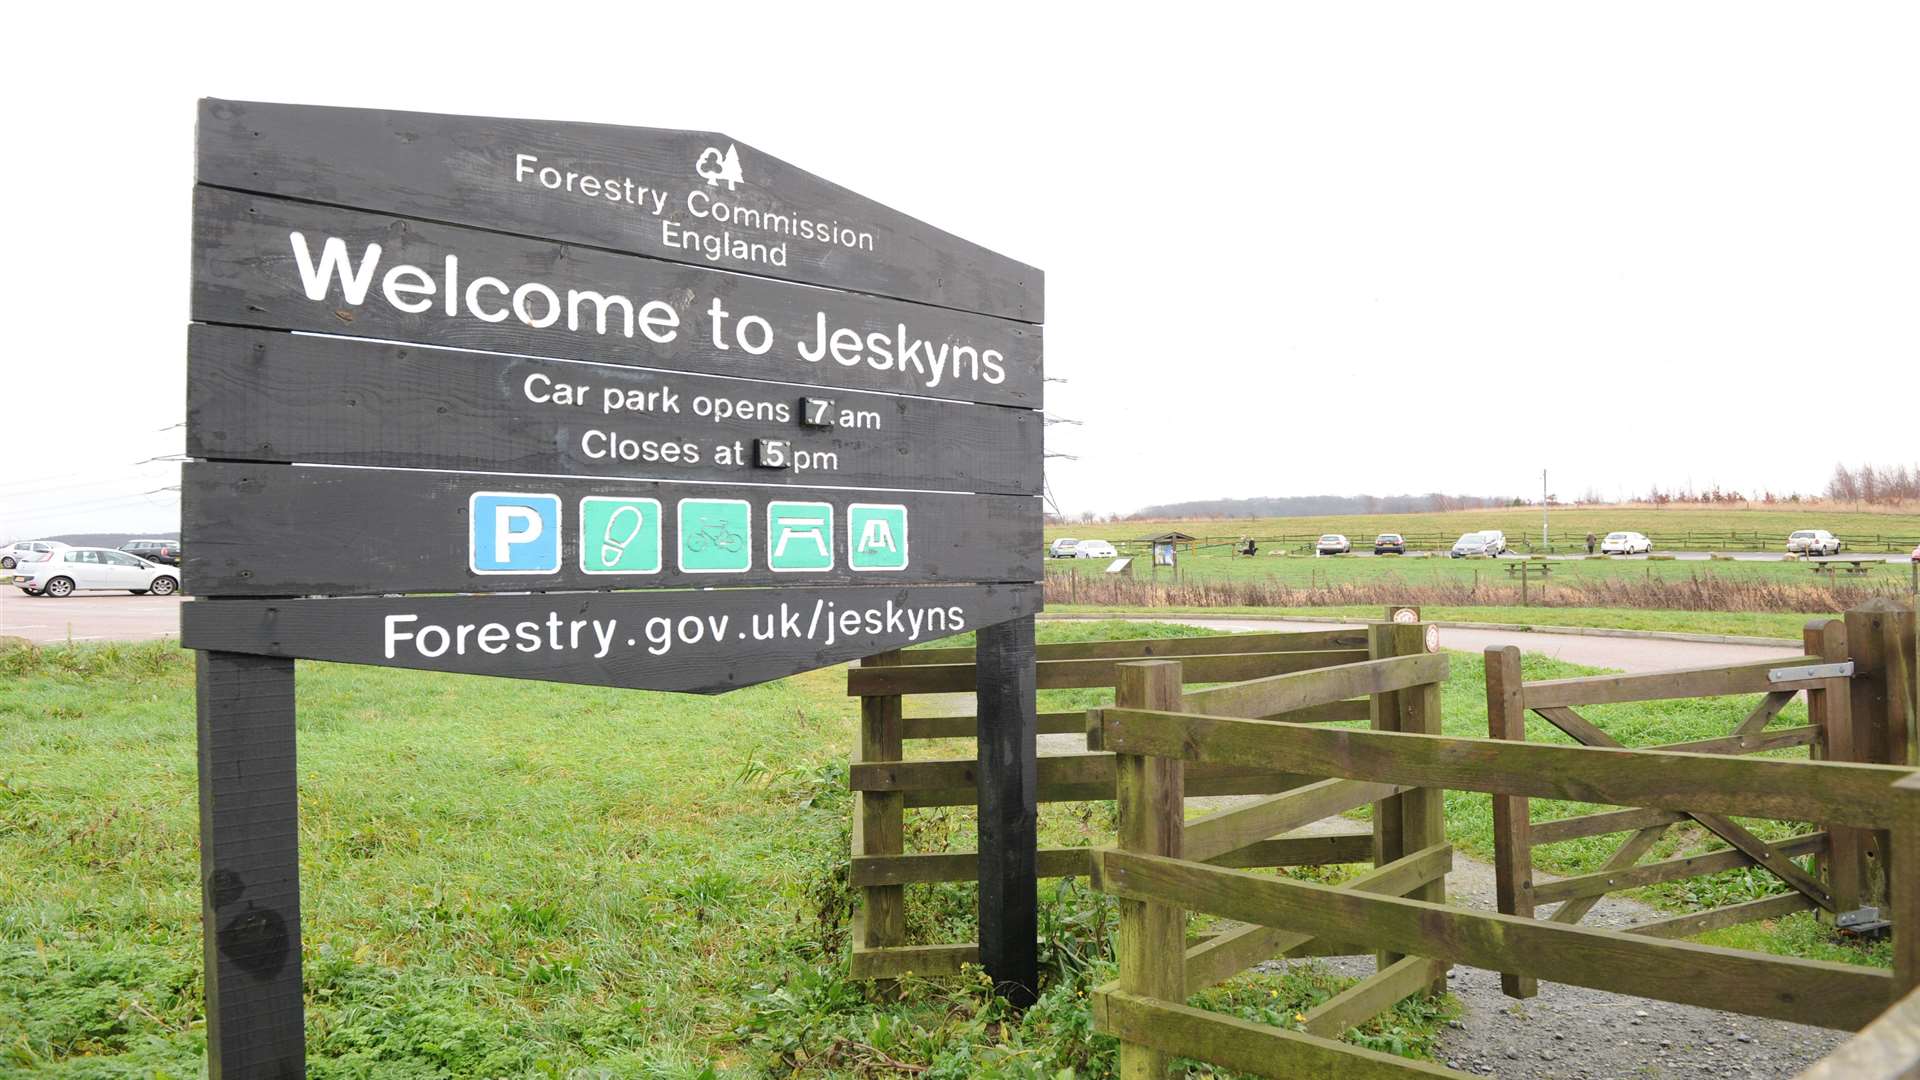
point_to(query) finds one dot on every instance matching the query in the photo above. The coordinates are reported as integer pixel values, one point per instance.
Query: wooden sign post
(614, 406)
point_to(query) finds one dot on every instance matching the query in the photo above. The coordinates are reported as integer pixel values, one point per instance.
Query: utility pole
(1543, 509)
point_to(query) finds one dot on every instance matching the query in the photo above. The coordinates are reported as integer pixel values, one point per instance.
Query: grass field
(517, 879)
(1521, 523)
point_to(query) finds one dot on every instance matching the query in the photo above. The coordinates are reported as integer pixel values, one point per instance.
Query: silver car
(1473, 544)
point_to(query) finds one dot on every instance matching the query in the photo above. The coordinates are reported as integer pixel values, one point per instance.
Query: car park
(160, 551)
(1332, 544)
(27, 551)
(1389, 544)
(1813, 542)
(73, 570)
(1094, 549)
(1472, 544)
(1625, 543)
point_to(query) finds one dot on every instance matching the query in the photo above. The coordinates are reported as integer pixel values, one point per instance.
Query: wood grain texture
(466, 169)
(1373, 995)
(260, 395)
(352, 630)
(1609, 821)
(1636, 874)
(1161, 648)
(245, 273)
(1777, 788)
(1887, 1049)
(1080, 674)
(1699, 922)
(1236, 827)
(1150, 945)
(1176, 1030)
(1748, 678)
(879, 819)
(303, 530)
(250, 866)
(1226, 955)
(1513, 832)
(1822, 993)
(1295, 690)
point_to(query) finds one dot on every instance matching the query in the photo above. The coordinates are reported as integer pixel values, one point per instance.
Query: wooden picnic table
(1827, 564)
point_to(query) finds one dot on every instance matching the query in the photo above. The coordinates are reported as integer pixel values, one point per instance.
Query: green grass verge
(505, 878)
(1739, 623)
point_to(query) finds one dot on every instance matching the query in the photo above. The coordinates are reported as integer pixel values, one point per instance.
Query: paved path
(44, 620)
(1626, 654)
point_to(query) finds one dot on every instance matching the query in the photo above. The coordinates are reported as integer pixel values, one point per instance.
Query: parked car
(27, 551)
(1497, 540)
(1473, 543)
(1094, 549)
(1625, 543)
(1333, 544)
(1063, 548)
(74, 569)
(160, 551)
(1387, 543)
(1813, 542)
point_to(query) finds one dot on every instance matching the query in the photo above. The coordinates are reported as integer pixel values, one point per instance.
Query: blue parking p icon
(510, 533)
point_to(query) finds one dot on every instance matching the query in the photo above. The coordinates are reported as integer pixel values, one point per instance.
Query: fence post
(1831, 712)
(1007, 784)
(879, 817)
(1512, 842)
(1906, 909)
(1416, 819)
(1150, 795)
(1875, 635)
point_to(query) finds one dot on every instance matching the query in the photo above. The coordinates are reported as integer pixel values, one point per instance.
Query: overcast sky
(1369, 248)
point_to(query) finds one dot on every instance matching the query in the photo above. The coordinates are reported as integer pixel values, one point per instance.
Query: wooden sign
(698, 642)
(296, 266)
(693, 197)
(615, 406)
(276, 530)
(256, 395)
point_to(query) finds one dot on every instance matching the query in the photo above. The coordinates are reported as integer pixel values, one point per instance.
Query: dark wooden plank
(260, 395)
(250, 866)
(277, 530)
(1825, 792)
(1008, 818)
(1066, 674)
(1822, 993)
(646, 184)
(247, 271)
(695, 641)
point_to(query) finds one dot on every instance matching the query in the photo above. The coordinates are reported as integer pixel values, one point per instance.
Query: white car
(1333, 544)
(1813, 542)
(28, 551)
(70, 570)
(1496, 541)
(1063, 548)
(1094, 549)
(1625, 543)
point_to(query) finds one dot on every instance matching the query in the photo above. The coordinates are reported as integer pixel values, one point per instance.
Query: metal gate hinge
(1841, 670)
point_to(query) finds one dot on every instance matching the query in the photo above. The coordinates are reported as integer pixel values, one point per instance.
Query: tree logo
(715, 166)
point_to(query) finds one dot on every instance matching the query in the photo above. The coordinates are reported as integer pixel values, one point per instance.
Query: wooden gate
(1158, 879)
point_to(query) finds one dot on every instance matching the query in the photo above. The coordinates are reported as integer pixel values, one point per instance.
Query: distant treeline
(1320, 505)
(1875, 484)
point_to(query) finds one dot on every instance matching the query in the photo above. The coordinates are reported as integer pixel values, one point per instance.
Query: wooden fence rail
(886, 785)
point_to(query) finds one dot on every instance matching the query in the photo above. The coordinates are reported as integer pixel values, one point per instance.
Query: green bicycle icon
(714, 533)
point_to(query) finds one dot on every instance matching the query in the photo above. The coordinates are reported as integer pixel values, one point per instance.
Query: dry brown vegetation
(1700, 593)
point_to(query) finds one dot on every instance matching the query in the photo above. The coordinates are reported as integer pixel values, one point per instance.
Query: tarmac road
(88, 617)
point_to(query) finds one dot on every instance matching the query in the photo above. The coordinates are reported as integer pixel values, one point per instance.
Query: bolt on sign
(618, 406)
